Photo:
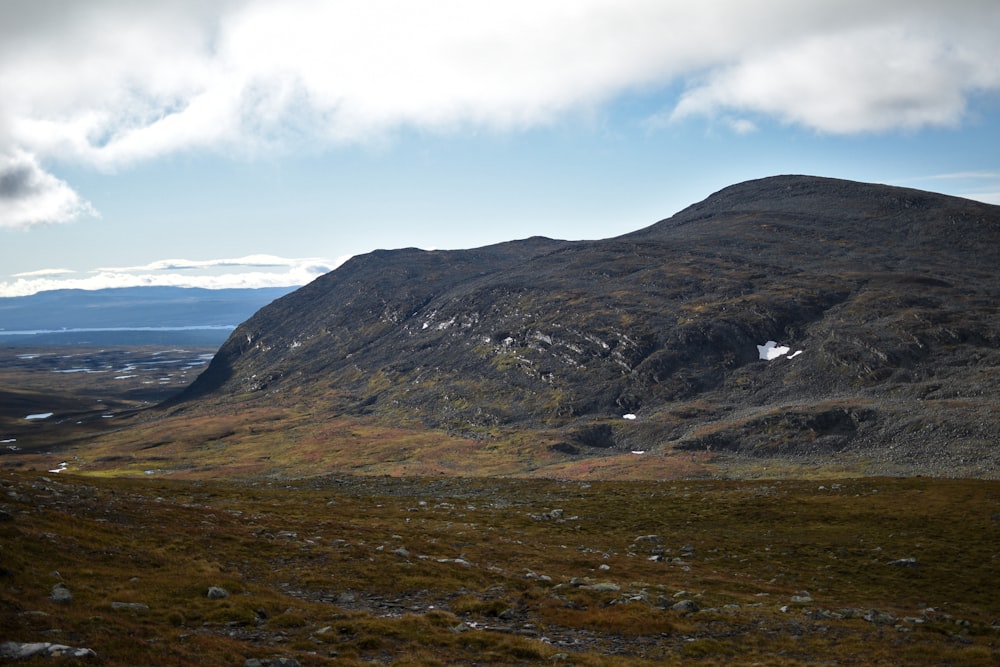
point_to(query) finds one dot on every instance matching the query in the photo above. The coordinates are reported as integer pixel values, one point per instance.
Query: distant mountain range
(130, 315)
(658, 341)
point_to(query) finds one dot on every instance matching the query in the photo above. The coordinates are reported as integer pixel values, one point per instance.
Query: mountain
(656, 341)
(117, 315)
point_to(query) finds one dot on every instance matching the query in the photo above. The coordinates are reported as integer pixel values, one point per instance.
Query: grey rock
(685, 607)
(21, 651)
(604, 586)
(217, 593)
(129, 606)
(456, 561)
(402, 552)
(904, 562)
(61, 594)
(879, 617)
(277, 661)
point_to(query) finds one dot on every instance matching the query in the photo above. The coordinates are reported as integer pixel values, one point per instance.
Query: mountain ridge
(887, 291)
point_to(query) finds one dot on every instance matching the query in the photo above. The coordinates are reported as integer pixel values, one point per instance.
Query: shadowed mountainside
(890, 293)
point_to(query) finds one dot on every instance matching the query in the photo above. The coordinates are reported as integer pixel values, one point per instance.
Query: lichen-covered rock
(217, 593)
(277, 661)
(23, 651)
(61, 594)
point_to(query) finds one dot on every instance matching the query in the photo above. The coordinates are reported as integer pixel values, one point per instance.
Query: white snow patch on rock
(771, 350)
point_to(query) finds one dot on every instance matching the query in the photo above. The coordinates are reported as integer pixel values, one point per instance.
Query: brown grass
(347, 570)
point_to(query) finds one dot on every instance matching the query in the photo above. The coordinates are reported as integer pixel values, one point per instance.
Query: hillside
(569, 358)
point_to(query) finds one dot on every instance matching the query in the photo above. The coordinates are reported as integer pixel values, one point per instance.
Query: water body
(211, 335)
(35, 332)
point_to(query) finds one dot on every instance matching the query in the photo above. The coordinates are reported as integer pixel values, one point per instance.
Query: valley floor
(418, 571)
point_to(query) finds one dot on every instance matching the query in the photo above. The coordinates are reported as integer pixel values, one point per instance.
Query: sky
(245, 143)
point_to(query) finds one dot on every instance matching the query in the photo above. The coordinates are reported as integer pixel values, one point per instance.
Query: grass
(425, 571)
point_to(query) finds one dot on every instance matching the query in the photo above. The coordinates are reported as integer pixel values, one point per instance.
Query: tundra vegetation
(381, 570)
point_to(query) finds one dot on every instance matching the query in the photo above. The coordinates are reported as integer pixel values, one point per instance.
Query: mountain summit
(795, 317)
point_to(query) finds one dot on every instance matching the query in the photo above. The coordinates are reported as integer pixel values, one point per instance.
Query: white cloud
(236, 273)
(29, 195)
(871, 78)
(43, 272)
(108, 83)
(741, 125)
(260, 261)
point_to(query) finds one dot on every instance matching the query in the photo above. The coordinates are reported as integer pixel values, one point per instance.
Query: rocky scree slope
(891, 295)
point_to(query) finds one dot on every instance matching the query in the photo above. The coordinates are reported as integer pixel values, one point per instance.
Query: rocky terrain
(370, 570)
(885, 298)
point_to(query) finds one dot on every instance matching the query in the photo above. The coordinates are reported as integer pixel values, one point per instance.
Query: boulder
(23, 651)
(61, 594)
(217, 593)
(685, 607)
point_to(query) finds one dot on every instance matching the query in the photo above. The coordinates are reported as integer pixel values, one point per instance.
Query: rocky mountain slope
(655, 341)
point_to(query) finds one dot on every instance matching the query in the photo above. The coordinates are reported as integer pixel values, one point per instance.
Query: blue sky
(250, 143)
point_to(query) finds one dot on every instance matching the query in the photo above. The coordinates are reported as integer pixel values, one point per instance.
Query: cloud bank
(109, 83)
(29, 195)
(252, 271)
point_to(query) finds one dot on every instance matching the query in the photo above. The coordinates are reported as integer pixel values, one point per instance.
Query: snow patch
(40, 415)
(771, 350)
(628, 416)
